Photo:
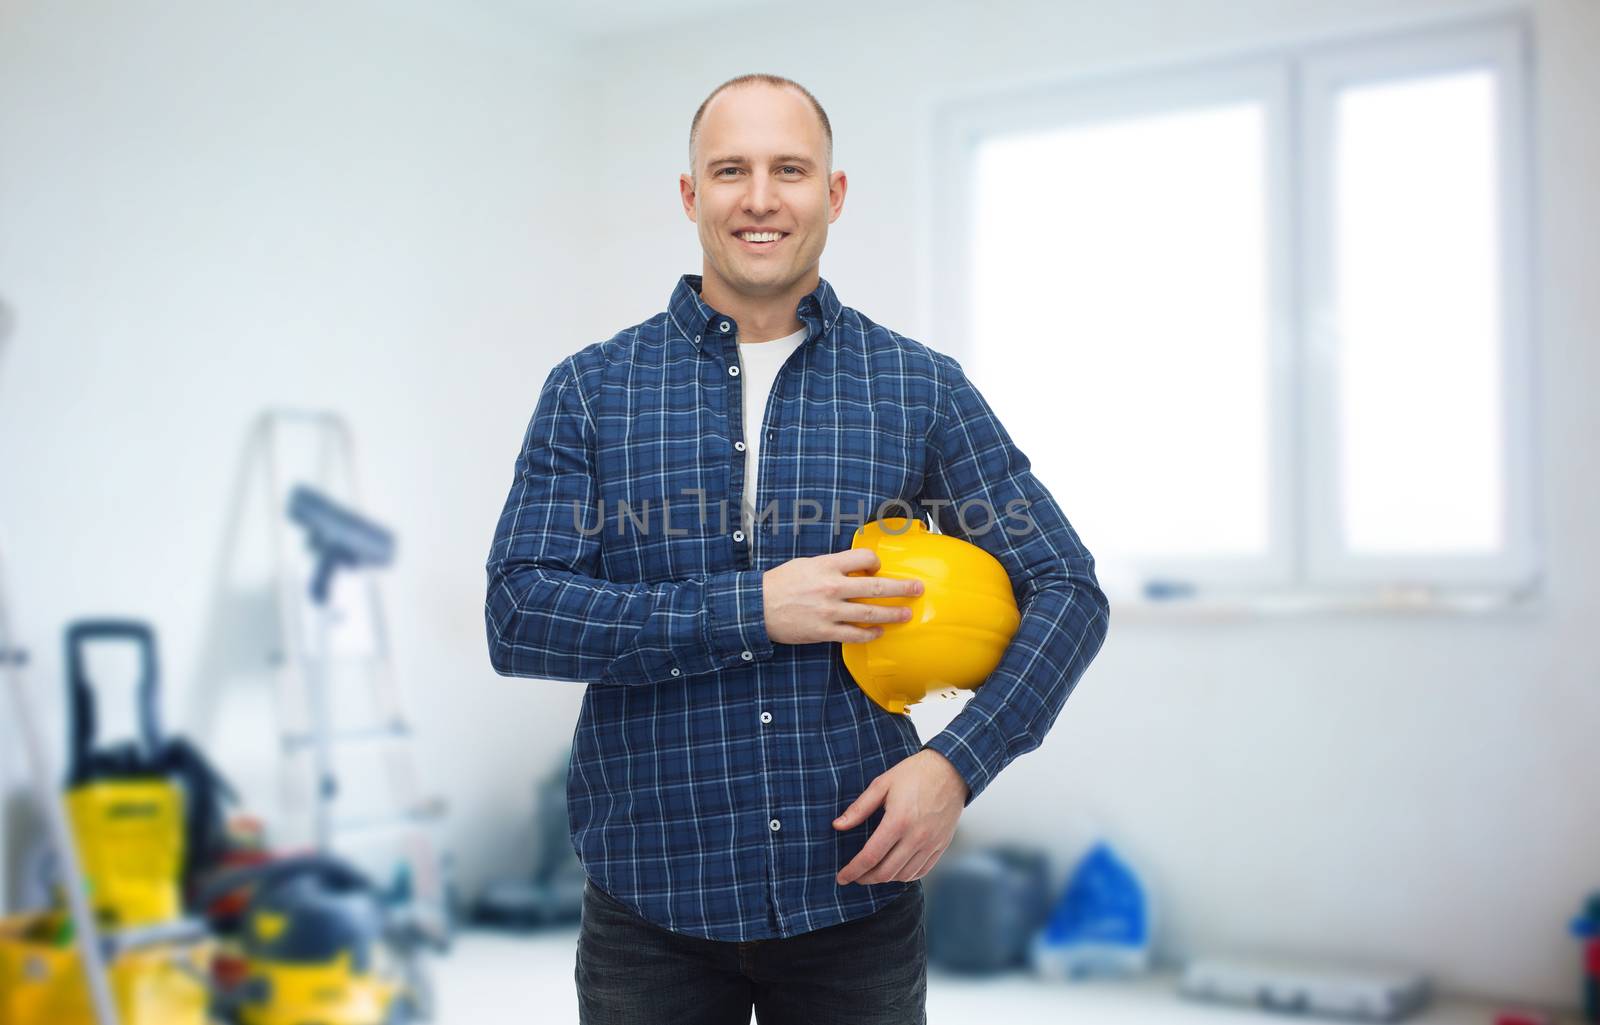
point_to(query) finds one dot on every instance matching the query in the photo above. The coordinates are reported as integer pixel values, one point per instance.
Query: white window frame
(1501, 50)
(1303, 570)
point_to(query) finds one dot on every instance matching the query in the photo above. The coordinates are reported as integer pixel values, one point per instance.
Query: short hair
(760, 79)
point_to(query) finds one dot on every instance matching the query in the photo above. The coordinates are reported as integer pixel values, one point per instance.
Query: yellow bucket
(44, 984)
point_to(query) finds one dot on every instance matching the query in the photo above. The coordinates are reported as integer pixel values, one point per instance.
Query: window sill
(1524, 603)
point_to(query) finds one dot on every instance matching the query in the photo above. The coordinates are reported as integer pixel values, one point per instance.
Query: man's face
(761, 166)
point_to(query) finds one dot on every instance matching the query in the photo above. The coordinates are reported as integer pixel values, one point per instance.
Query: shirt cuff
(738, 619)
(975, 749)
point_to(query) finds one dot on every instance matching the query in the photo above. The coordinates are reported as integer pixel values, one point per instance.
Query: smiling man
(677, 535)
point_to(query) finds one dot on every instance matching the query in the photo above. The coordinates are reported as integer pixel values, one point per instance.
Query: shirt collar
(819, 310)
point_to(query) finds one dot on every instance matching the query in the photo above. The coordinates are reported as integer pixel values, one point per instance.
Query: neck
(761, 318)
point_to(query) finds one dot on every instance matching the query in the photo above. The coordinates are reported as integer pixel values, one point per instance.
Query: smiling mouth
(758, 240)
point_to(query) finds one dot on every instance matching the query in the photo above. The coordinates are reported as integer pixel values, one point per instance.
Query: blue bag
(1100, 926)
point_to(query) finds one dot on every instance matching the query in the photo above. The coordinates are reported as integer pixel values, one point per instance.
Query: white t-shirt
(760, 362)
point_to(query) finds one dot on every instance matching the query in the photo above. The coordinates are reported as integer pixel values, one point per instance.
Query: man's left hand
(922, 797)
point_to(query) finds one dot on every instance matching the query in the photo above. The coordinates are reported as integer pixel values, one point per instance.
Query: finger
(862, 807)
(856, 612)
(862, 560)
(853, 871)
(854, 634)
(892, 866)
(927, 864)
(880, 587)
(877, 848)
(881, 843)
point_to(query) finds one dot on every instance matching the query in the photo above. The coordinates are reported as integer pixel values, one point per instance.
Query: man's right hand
(808, 600)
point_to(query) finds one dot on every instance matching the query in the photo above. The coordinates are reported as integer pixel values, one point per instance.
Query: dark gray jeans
(870, 971)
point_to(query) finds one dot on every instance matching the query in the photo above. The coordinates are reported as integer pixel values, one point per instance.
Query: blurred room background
(1293, 305)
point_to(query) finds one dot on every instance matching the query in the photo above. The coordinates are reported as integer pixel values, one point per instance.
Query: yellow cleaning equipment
(127, 814)
(147, 813)
(960, 624)
(316, 941)
(43, 981)
(117, 834)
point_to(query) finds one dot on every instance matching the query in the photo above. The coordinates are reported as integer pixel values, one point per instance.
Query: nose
(760, 197)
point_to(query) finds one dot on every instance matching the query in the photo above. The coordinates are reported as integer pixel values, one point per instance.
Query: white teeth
(761, 236)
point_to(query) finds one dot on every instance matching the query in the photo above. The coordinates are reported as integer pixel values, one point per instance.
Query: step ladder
(330, 628)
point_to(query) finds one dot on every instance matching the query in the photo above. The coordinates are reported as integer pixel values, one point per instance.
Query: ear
(686, 193)
(837, 184)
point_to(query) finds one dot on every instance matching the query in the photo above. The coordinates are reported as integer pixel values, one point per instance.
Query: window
(1260, 326)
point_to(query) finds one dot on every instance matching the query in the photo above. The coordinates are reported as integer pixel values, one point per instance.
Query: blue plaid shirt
(708, 762)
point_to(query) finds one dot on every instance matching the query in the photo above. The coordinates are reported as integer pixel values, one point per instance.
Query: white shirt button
(723, 327)
(774, 825)
(697, 338)
(766, 716)
(676, 671)
(733, 371)
(738, 535)
(746, 655)
(738, 446)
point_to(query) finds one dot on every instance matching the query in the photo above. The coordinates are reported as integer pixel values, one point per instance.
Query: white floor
(495, 979)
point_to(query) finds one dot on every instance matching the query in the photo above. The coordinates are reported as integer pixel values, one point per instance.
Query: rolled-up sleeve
(997, 503)
(549, 614)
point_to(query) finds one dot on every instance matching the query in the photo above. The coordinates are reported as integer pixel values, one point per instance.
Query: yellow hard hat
(960, 624)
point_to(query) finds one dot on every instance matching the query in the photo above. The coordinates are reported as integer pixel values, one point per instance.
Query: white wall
(209, 208)
(205, 209)
(1414, 791)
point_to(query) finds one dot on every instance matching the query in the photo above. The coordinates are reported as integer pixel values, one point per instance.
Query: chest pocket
(664, 502)
(866, 458)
